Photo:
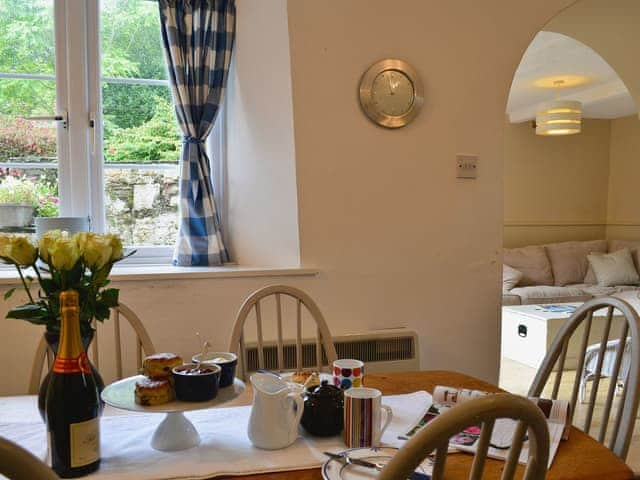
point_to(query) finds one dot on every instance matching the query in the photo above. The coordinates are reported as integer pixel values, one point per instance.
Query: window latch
(64, 118)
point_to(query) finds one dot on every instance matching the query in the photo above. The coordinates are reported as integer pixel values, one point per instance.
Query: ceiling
(554, 57)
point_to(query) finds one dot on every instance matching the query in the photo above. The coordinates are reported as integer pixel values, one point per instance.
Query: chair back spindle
(299, 335)
(260, 337)
(116, 332)
(95, 357)
(280, 339)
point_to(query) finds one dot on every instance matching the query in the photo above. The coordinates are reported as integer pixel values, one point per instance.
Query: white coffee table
(529, 330)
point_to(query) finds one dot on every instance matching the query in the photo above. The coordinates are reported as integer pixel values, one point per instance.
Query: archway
(568, 196)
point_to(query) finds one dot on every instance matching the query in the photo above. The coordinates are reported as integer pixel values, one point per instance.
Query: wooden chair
(16, 463)
(628, 403)
(323, 339)
(144, 346)
(485, 411)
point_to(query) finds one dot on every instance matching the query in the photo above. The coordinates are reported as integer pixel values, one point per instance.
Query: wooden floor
(516, 378)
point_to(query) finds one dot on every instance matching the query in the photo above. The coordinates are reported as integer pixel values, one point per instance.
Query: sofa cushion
(590, 277)
(615, 268)
(633, 246)
(596, 290)
(510, 299)
(510, 277)
(569, 259)
(533, 262)
(549, 294)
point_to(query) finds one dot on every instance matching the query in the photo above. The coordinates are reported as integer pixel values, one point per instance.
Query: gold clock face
(392, 93)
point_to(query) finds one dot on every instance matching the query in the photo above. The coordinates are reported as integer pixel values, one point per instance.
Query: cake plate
(175, 432)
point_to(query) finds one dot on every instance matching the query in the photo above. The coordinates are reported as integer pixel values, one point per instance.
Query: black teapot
(323, 410)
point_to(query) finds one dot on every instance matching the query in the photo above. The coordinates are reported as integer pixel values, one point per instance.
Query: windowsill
(124, 273)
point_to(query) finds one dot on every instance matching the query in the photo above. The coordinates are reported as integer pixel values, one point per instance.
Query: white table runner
(224, 450)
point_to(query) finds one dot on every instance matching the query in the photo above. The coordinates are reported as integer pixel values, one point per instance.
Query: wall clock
(391, 93)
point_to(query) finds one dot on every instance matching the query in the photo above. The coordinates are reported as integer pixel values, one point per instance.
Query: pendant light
(560, 117)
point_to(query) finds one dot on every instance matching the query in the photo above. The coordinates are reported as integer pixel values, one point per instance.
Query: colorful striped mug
(363, 425)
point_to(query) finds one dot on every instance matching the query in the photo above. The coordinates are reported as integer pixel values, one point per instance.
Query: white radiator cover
(388, 350)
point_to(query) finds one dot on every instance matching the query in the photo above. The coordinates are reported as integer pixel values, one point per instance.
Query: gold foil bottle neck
(69, 298)
(70, 341)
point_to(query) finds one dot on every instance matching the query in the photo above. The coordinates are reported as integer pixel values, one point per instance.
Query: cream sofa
(560, 272)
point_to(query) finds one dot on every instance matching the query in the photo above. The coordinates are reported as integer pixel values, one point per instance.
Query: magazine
(557, 413)
(558, 308)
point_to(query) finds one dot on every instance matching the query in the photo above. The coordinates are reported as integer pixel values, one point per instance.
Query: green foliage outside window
(156, 139)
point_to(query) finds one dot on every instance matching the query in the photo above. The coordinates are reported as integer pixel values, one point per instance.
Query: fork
(363, 463)
(344, 456)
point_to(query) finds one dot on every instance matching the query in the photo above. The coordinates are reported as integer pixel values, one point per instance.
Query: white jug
(275, 414)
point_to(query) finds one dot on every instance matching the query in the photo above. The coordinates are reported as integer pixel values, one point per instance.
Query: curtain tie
(188, 139)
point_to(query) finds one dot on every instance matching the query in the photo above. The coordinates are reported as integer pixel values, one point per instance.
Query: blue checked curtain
(198, 38)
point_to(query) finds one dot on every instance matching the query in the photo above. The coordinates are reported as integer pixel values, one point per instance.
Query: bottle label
(72, 365)
(85, 442)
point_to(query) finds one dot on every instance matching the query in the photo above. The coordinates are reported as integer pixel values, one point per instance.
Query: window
(141, 143)
(28, 84)
(106, 143)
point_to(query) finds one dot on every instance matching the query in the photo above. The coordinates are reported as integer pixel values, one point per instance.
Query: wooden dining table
(579, 457)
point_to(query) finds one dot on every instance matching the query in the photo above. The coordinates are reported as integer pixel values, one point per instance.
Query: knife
(345, 458)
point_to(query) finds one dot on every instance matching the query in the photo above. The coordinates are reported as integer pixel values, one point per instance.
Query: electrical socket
(466, 166)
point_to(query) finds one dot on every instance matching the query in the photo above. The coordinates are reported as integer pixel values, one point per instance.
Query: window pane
(20, 97)
(141, 203)
(26, 37)
(139, 124)
(130, 41)
(141, 141)
(28, 149)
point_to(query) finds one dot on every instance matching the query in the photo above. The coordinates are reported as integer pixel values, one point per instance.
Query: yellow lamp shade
(562, 117)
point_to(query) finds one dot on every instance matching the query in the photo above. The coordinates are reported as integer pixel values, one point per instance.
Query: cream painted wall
(555, 188)
(263, 208)
(398, 240)
(623, 212)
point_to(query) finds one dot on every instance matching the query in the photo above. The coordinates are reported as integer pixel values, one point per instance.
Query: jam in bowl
(227, 361)
(196, 382)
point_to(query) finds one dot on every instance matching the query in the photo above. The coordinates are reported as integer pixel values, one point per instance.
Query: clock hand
(390, 85)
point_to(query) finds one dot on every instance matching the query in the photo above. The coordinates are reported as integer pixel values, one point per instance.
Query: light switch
(466, 166)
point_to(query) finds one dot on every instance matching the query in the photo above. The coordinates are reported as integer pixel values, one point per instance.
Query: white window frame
(74, 171)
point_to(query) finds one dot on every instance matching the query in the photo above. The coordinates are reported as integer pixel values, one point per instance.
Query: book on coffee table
(558, 308)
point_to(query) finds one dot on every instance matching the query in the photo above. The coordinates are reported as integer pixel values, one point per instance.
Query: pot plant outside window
(21, 199)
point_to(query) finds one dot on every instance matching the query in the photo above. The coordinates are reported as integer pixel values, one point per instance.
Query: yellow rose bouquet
(60, 262)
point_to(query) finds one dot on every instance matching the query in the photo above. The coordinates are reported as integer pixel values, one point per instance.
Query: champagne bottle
(72, 403)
